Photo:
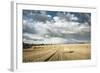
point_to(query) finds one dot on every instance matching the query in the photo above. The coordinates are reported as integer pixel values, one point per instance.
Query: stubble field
(62, 52)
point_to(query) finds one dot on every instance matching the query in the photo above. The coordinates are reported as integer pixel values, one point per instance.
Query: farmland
(57, 52)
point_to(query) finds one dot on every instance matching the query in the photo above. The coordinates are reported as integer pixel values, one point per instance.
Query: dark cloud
(83, 17)
(36, 16)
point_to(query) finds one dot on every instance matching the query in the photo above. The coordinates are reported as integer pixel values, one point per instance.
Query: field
(62, 52)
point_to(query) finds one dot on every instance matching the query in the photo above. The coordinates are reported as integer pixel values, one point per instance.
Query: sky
(55, 27)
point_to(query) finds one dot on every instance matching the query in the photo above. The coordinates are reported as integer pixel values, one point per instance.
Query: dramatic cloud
(52, 27)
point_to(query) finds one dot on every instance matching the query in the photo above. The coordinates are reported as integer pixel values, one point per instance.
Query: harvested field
(62, 52)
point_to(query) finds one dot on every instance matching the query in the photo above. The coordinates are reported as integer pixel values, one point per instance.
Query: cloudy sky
(55, 27)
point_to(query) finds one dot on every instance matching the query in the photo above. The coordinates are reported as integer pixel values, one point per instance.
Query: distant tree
(26, 45)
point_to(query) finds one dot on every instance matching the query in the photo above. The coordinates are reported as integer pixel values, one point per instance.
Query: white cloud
(56, 18)
(54, 40)
(49, 16)
(57, 32)
(33, 36)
